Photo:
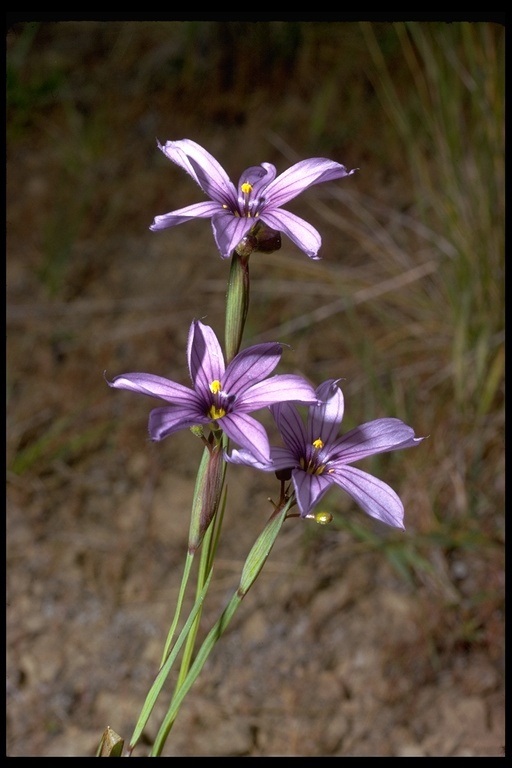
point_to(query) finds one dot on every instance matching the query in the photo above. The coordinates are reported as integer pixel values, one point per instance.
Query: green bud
(207, 493)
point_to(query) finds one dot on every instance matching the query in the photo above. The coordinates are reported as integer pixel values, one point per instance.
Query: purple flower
(222, 396)
(318, 458)
(259, 197)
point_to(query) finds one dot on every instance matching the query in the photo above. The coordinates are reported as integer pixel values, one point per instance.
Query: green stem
(208, 549)
(237, 303)
(179, 605)
(205, 524)
(163, 674)
(253, 565)
(202, 577)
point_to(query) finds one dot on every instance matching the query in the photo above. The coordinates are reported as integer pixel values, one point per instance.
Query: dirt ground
(332, 653)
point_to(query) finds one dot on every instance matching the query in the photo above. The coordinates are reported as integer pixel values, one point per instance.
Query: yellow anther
(318, 444)
(216, 413)
(215, 386)
(246, 188)
(323, 518)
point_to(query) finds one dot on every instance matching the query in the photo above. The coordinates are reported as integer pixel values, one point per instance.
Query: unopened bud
(269, 240)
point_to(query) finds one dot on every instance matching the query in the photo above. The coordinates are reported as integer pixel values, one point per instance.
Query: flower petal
(248, 433)
(196, 211)
(204, 169)
(376, 498)
(243, 456)
(205, 358)
(278, 389)
(300, 232)
(168, 419)
(229, 231)
(301, 176)
(291, 427)
(259, 177)
(324, 419)
(309, 489)
(374, 437)
(250, 366)
(155, 386)
(280, 458)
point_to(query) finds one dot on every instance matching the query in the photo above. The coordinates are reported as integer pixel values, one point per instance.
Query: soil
(332, 652)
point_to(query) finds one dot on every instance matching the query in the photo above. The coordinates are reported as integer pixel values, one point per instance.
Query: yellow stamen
(323, 518)
(246, 188)
(215, 386)
(318, 444)
(216, 413)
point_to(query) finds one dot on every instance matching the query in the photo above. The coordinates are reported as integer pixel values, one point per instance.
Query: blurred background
(357, 639)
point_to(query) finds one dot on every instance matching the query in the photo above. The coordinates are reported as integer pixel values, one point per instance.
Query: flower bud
(269, 240)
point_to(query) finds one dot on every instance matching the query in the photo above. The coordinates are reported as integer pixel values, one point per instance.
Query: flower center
(216, 413)
(245, 202)
(311, 463)
(216, 410)
(248, 206)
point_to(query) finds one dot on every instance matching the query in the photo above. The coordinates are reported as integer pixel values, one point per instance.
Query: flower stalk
(237, 303)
